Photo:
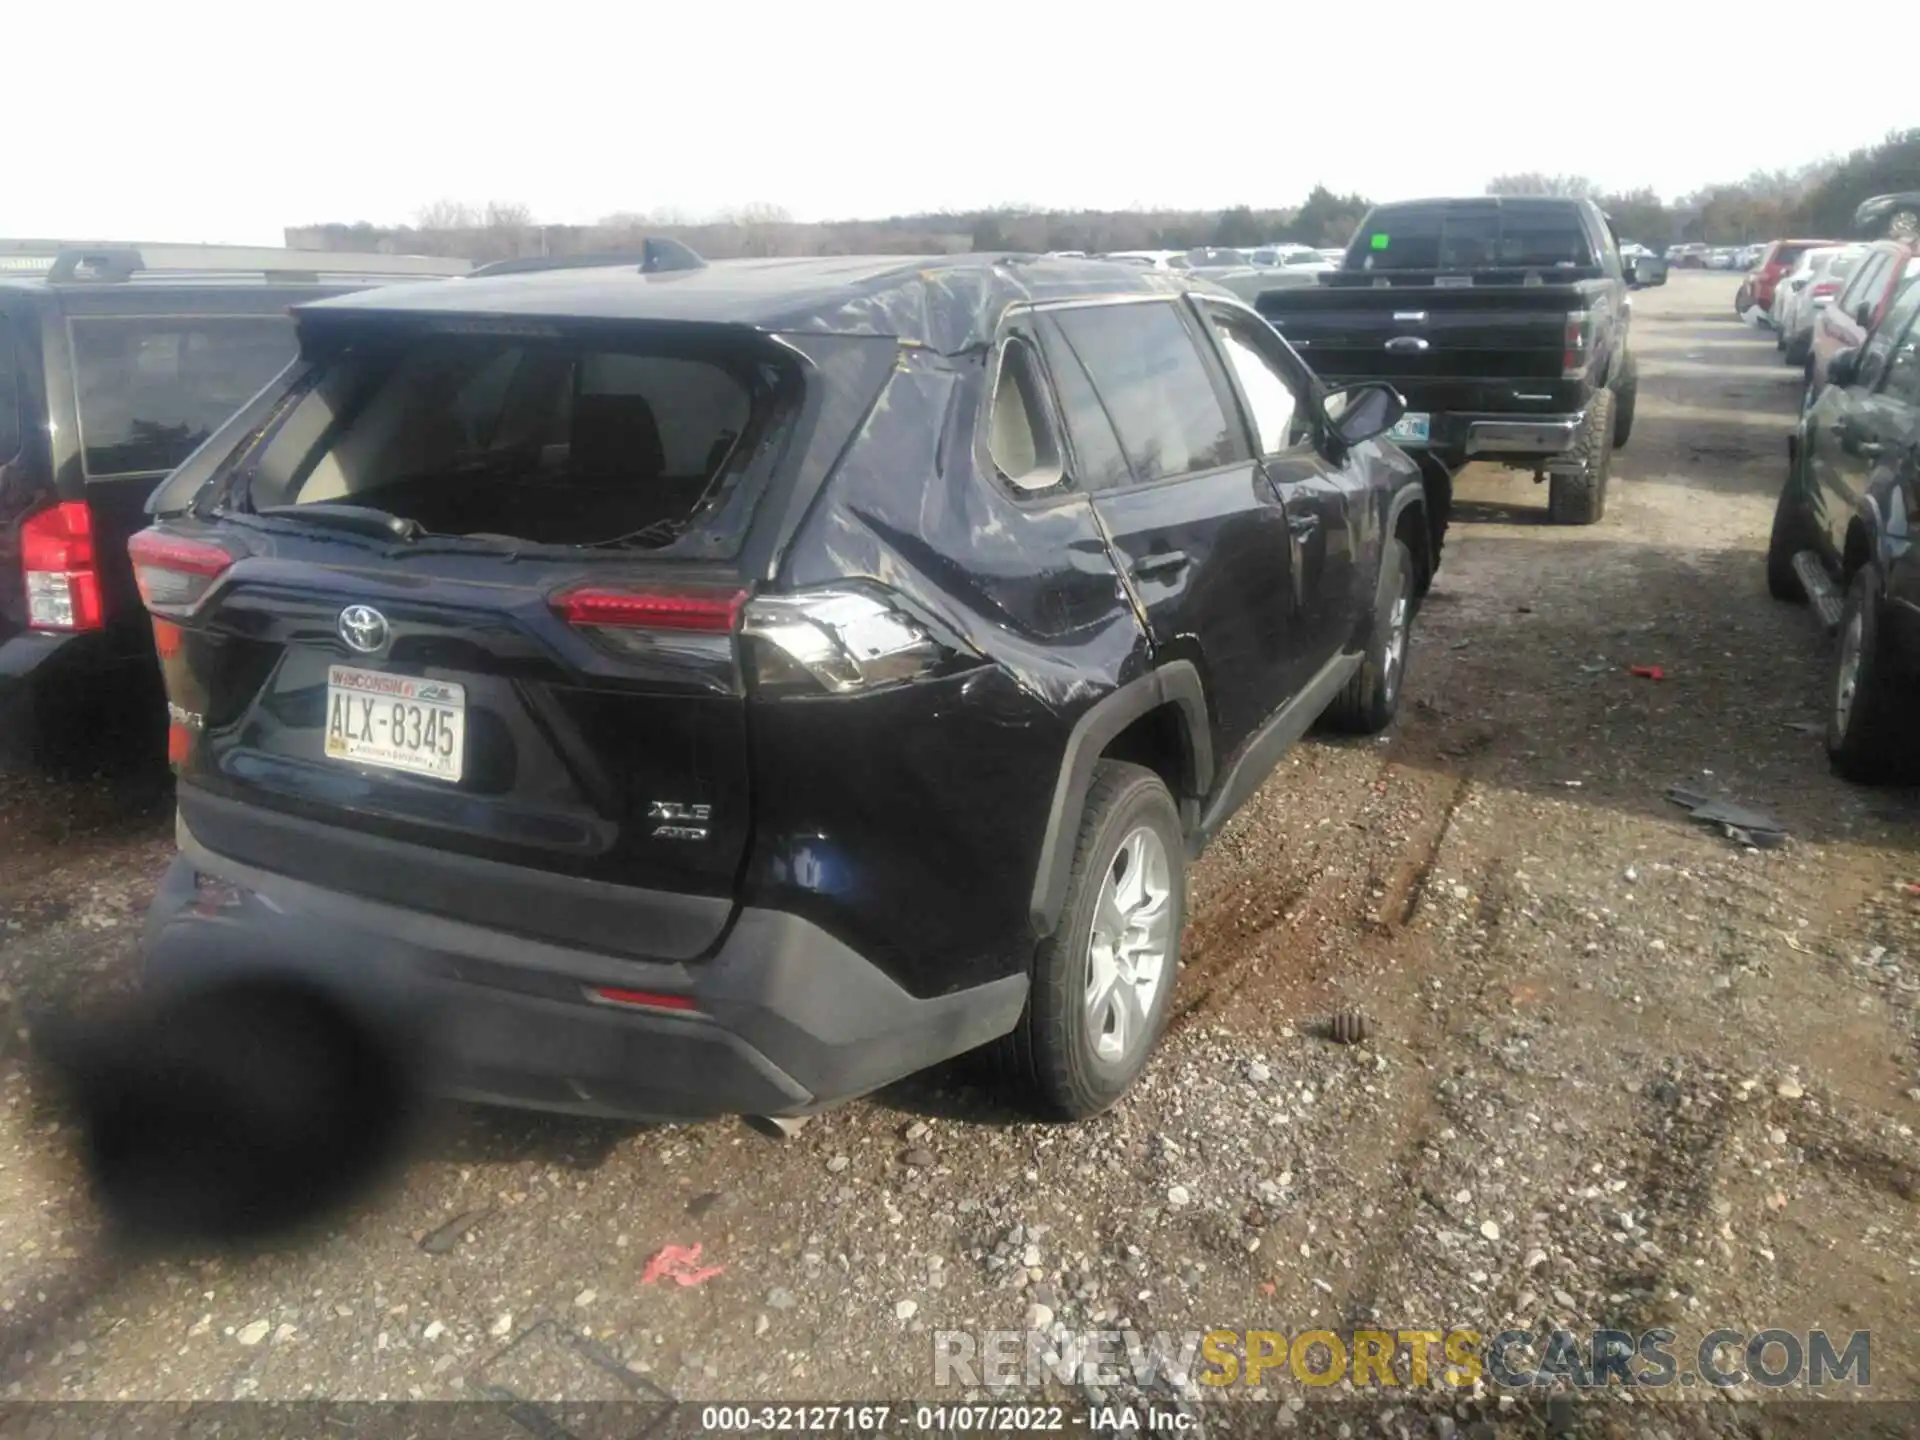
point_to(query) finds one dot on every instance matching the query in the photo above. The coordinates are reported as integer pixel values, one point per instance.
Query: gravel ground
(1622, 1070)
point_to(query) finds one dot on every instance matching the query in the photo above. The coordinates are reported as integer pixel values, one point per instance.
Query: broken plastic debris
(1647, 672)
(1737, 822)
(680, 1264)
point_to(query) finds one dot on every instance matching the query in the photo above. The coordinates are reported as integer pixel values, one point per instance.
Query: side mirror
(1360, 412)
(1631, 270)
(1844, 369)
(1863, 315)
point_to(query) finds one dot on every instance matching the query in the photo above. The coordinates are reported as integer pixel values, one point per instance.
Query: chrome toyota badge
(363, 628)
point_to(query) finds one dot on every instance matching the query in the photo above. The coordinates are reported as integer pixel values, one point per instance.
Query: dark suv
(115, 362)
(727, 689)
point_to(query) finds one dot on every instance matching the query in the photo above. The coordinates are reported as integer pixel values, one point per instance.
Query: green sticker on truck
(1380, 242)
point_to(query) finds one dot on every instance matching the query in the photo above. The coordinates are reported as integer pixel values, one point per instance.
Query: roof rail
(657, 253)
(120, 263)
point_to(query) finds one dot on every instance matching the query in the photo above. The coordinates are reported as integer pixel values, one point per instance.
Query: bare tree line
(1814, 199)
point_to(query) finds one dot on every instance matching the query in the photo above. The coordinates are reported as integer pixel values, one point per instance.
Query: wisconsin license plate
(1410, 427)
(396, 722)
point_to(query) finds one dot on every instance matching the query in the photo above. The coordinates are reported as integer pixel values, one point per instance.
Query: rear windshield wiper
(358, 519)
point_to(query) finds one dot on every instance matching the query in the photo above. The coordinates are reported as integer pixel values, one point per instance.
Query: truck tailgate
(1428, 332)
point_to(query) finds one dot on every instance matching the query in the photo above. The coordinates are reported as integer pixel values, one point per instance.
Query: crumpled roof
(947, 303)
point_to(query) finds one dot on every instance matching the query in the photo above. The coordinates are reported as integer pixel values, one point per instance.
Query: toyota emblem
(363, 628)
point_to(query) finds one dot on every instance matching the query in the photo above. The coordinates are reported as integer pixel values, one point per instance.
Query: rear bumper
(1458, 438)
(785, 1018)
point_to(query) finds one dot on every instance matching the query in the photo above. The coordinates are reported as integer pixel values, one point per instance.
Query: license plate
(1410, 427)
(396, 722)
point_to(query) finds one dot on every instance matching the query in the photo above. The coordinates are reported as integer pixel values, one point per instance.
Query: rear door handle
(1167, 562)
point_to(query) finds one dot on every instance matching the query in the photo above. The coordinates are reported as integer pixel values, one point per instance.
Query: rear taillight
(836, 640)
(702, 612)
(1573, 354)
(173, 573)
(1825, 288)
(61, 568)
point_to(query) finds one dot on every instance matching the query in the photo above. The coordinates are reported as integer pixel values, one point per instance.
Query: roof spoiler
(117, 264)
(656, 254)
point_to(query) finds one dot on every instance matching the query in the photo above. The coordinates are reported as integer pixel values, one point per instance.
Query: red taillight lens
(1826, 287)
(174, 573)
(701, 612)
(1573, 354)
(61, 569)
(642, 999)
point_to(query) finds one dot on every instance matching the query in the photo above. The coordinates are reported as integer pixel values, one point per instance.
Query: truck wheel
(1788, 538)
(1580, 498)
(1904, 225)
(1866, 735)
(1103, 981)
(1626, 391)
(1366, 706)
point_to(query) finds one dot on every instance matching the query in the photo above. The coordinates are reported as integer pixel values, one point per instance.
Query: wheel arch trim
(1175, 683)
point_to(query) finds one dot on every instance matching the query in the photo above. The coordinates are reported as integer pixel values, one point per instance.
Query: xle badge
(679, 822)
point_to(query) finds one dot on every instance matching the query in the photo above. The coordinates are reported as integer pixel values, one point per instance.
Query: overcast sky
(203, 121)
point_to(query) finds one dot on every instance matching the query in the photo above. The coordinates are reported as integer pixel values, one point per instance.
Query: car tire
(1581, 499)
(1129, 844)
(1742, 302)
(1797, 350)
(1867, 733)
(1626, 392)
(1367, 704)
(1789, 536)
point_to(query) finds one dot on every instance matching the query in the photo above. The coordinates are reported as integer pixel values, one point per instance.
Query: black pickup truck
(1503, 322)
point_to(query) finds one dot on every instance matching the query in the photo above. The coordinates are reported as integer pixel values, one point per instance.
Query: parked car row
(1884, 270)
(1695, 256)
(1805, 291)
(1841, 539)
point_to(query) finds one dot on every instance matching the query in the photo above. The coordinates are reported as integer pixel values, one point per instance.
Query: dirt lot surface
(1623, 1070)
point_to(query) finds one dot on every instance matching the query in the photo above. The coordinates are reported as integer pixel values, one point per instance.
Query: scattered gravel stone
(906, 1309)
(837, 1164)
(1490, 1229)
(433, 1331)
(1789, 1089)
(502, 1326)
(253, 1333)
(1177, 1196)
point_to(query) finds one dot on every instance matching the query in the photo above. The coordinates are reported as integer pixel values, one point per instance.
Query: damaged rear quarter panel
(910, 821)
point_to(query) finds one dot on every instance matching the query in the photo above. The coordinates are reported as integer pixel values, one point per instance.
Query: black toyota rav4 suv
(728, 688)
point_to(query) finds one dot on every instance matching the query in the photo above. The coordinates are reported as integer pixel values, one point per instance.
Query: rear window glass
(151, 388)
(547, 441)
(1473, 239)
